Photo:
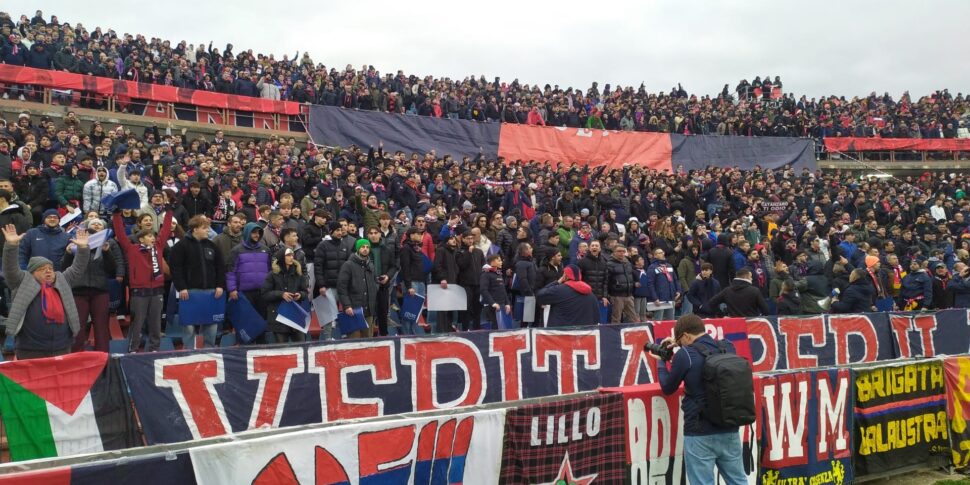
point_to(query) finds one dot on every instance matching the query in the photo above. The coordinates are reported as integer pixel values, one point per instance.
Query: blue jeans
(665, 314)
(208, 333)
(701, 453)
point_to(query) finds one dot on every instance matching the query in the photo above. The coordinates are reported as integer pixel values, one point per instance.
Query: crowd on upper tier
(759, 107)
(276, 221)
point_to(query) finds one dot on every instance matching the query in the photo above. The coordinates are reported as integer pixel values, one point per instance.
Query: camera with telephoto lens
(665, 353)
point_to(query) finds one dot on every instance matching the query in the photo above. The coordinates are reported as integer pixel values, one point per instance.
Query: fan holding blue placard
(285, 294)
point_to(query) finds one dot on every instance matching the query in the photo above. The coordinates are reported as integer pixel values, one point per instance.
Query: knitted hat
(871, 261)
(510, 220)
(360, 243)
(37, 262)
(51, 212)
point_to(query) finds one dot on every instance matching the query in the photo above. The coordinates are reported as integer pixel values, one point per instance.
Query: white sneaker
(6, 96)
(22, 98)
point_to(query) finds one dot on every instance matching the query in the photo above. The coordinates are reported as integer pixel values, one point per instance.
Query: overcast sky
(849, 47)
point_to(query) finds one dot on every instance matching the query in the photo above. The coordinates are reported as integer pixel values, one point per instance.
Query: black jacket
(543, 253)
(493, 288)
(289, 280)
(357, 285)
(722, 258)
(593, 271)
(470, 262)
(620, 279)
(445, 265)
(412, 264)
(527, 281)
(789, 304)
(856, 298)
(549, 274)
(197, 265)
(310, 236)
(388, 259)
(700, 292)
(328, 257)
(742, 299)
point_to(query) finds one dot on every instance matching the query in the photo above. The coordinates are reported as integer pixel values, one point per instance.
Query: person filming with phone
(718, 398)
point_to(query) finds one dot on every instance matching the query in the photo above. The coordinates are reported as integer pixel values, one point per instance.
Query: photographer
(705, 443)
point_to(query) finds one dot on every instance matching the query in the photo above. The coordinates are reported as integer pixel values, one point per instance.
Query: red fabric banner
(586, 147)
(153, 92)
(886, 144)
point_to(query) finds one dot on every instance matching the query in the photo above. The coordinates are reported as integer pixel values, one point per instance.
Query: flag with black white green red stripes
(65, 405)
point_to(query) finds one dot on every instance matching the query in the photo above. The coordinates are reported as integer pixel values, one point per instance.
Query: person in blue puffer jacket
(249, 263)
(917, 287)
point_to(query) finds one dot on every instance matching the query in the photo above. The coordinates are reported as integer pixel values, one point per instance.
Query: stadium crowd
(755, 108)
(276, 222)
(251, 217)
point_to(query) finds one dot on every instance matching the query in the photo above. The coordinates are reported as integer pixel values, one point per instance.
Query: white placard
(446, 299)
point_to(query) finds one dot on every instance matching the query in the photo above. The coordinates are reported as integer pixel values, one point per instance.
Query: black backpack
(728, 387)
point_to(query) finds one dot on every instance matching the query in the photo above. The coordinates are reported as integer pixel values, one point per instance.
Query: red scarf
(51, 305)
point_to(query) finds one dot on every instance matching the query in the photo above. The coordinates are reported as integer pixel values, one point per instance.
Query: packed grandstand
(245, 297)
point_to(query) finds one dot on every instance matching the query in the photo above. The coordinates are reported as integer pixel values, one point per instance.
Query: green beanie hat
(359, 243)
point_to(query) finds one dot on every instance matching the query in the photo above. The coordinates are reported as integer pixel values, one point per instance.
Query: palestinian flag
(65, 405)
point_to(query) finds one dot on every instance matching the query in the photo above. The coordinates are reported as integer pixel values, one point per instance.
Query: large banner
(702, 151)
(152, 92)
(849, 144)
(806, 426)
(900, 416)
(454, 449)
(660, 151)
(595, 148)
(572, 441)
(655, 436)
(779, 343)
(330, 125)
(957, 377)
(212, 392)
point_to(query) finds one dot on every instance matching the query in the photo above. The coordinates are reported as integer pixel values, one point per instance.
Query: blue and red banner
(660, 151)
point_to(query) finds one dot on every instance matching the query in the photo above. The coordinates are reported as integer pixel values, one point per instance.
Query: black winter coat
(742, 299)
(722, 258)
(492, 287)
(357, 285)
(197, 265)
(593, 271)
(412, 264)
(620, 280)
(278, 281)
(445, 265)
(328, 257)
(470, 264)
(527, 281)
(856, 298)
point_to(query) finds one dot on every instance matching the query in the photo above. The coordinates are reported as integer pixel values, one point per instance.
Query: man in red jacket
(146, 276)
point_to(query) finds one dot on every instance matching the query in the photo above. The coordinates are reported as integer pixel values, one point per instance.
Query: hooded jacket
(328, 258)
(570, 304)
(722, 258)
(282, 279)
(917, 285)
(357, 284)
(856, 298)
(249, 262)
(742, 299)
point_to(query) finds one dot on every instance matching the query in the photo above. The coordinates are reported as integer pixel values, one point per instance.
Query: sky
(848, 48)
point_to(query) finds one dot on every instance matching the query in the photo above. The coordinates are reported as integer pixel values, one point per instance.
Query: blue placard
(604, 312)
(505, 321)
(248, 323)
(411, 307)
(202, 308)
(349, 324)
(294, 314)
(427, 264)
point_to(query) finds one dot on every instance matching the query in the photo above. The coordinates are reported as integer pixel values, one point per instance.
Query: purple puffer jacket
(248, 266)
